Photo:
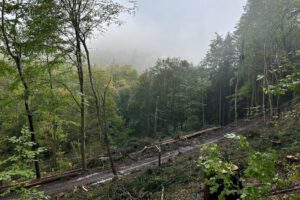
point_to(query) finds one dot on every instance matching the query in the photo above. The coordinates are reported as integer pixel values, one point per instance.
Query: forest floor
(61, 187)
(179, 178)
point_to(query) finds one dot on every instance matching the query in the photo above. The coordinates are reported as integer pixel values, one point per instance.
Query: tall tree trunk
(82, 98)
(203, 108)
(248, 95)
(29, 116)
(271, 104)
(264, 83)
(236, 97)
(97, 104)
(155, 116)
(241, 62)
(55, 146)
(267, 82)
(220, 107)
(17, 59)
(173, 108)
(253, 92)
(105, 127)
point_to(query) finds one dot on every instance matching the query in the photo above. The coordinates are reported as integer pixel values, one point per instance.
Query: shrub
(257, 179)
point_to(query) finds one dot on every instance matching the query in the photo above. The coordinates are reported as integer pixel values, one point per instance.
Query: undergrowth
(183, 177)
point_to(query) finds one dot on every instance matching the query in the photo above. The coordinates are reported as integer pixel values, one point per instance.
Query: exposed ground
(96, 177)
(179, 176)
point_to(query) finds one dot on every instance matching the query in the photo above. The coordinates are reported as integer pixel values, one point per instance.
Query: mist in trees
(80, 112)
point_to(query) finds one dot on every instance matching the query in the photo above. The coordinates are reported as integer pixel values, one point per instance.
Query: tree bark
(97, 104)
(235, 97)
(264, 83)
(203, 108)
(105, 127)
(220, 107)
(155, 115)
(17, 59)
(55, 146)
(82, 97)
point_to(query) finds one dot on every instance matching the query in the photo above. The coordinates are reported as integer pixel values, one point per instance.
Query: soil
(59, 187)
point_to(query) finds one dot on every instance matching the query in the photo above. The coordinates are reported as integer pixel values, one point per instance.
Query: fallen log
(185, 137)
(166, 142)
(77, 172)
(43, 180)
(286, 190)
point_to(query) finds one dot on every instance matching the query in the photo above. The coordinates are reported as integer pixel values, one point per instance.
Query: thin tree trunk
(97, 104)
(82, 99)
(264, 82)
(235, 97)
(106, 139)
(267, 82)
(55, 147)
(220, 107)
(31, 129)
(17, 60)
(241, 62)
(248, 95)
(159, 154)
(29, 117)
(252, 94)
(155, 115)
(203, 108)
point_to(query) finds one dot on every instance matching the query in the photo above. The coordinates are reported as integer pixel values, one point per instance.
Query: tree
(83, 17)
(169, 97)
(221, 61)
(18, 165)
(267, 31)
(95, 15)
(23, 41)
(73, 11)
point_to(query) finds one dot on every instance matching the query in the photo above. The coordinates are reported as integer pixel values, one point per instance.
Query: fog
(166, 28)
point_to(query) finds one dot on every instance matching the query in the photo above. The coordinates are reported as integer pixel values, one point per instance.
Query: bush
(17, 167)
(257, 179)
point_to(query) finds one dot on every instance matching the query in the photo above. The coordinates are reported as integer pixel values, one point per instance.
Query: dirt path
(57, 187)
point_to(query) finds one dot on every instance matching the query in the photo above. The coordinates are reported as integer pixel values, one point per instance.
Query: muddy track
(97, 177)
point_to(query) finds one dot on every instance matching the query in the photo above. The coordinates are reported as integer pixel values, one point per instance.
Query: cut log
(292, 158)
(43, 180)
(286, 191)
(185, 137)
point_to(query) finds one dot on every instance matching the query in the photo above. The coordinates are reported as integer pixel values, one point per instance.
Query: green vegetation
(148, 184)
(260, 167)
(16, 169)
(77, 113)
(261, 170)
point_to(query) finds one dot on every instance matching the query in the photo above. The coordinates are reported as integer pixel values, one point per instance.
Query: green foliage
(146, 184)
(288, 73)
(260, 168)
(257, 67)
(178, 89)
(17, 167)
(217, 171)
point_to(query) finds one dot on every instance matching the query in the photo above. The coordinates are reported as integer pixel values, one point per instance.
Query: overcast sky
(166, 28)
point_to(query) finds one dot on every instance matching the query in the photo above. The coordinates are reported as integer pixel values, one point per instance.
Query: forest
(59, 112)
